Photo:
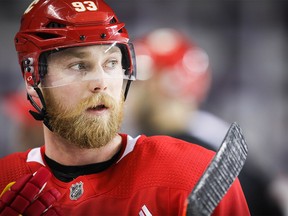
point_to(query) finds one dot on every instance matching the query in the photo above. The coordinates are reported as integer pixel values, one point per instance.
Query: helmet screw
(29, 69)
(103, 35)
(82, 37)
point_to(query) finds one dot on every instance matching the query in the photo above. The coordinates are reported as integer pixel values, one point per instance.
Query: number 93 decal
(85, 5)
(79, 6)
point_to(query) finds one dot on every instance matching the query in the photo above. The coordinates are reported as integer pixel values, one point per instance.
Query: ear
(30, 90)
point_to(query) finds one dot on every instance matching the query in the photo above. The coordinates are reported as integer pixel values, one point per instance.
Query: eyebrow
(76, 54)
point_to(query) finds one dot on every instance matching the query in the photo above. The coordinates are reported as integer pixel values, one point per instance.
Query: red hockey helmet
(181, 66)
(49, 25)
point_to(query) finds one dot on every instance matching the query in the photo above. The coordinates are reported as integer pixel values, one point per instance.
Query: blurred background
(246, 42)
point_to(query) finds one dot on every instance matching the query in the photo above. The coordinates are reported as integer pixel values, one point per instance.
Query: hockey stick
(220, 174)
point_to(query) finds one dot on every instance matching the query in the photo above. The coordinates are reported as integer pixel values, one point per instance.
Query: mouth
(97, 109)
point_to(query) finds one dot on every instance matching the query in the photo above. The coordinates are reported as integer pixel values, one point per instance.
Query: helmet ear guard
(28, 70)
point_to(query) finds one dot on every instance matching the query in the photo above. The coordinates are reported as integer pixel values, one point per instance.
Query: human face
(86, 112)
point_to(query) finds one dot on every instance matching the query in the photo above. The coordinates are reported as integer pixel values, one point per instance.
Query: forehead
(88, 51)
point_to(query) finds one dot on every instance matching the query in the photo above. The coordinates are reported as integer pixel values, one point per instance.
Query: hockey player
(75, 57)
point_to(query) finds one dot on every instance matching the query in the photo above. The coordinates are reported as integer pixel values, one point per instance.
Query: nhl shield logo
(76, 190)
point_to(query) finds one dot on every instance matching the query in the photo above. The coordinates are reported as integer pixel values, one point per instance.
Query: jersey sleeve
(12, 167)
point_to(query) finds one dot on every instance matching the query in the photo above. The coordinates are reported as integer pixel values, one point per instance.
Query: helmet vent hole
(46, 36)
(113, 20)
(55, 25)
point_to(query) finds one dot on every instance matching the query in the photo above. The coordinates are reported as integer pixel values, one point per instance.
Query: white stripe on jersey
(144, 211)
(131, 142)
(35, 156)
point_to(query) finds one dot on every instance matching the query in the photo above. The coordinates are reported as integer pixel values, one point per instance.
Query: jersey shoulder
(168, 145)
(181, 161)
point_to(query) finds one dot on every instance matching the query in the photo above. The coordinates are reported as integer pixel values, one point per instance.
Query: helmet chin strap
(41, 115)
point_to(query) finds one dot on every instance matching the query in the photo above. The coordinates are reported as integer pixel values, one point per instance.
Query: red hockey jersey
(153, 176)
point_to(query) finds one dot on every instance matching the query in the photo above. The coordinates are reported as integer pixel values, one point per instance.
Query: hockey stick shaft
(220, 174)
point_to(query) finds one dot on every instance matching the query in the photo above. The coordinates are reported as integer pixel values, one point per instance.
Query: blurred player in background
(28, 132)
(177, 78)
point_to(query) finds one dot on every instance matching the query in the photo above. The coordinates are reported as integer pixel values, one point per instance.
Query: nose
(97, 85)
(97, 82)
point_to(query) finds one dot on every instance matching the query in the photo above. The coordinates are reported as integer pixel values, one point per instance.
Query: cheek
(66, 96)
(71, 98)
(117, 89)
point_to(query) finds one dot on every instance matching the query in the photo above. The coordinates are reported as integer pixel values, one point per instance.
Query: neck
(65, 153)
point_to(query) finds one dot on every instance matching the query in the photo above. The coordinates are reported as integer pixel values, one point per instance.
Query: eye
(111, 64)
(79, 66)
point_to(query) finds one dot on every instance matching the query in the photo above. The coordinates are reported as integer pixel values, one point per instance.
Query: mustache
(57, 110)
(102, 99)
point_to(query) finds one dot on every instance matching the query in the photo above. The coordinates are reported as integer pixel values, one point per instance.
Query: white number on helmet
(83, 6)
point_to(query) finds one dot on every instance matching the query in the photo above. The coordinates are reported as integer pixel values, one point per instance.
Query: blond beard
(81, 129)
